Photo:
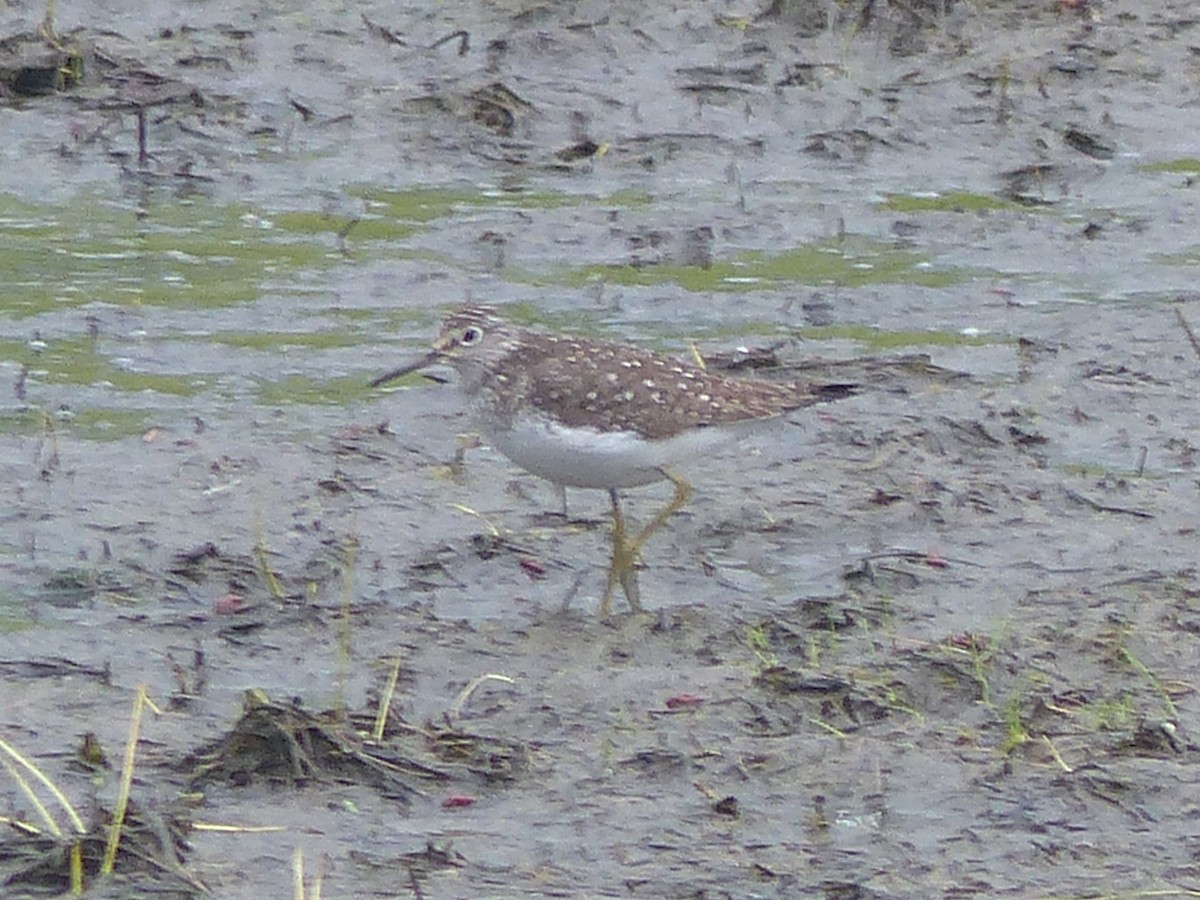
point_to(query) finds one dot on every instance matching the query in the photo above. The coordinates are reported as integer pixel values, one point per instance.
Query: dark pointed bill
(428, 359)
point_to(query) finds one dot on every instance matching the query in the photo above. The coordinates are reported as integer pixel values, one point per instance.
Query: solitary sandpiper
(594, 414)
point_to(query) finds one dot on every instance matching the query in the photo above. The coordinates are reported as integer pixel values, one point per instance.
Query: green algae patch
(950, 201)
(28, 421)
(300, 389)
(14, 624)
(99, 423)
(79, 361)
(877, 339)
(853, 262)
(429, 204)
(1184, 165)
(96, 423)
(363, 228)
(1188, 257)
(187, 253)
(283, 341)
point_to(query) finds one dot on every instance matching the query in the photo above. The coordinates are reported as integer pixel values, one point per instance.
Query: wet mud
(938, 639)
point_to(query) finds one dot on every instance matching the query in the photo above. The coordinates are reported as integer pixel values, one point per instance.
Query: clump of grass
(760, 646)
(18, 766)
(127, 845)
(260, 554)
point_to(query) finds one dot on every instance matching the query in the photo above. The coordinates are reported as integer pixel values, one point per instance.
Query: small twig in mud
(306, 112)
(1140, 667)
(470, 689)
(1004, 104)
(260, 553)
(143, 155)
(470, 512)
(1187, 329)
(920, 556)
(49, 433)
(1054, 753)
(344, 232)
(384, 34)
(301, 891)
(141, 701)
(385, 702)
(221, 828)
(298, 874)
(1104, 507)
(8, 752)
(836, 732)
(345, 644)
(464, 41)
(414, 885)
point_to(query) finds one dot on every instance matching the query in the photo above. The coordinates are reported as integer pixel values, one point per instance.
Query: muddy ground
(939, 639)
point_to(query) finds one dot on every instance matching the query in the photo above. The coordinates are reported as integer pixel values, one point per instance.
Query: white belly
(593, 459)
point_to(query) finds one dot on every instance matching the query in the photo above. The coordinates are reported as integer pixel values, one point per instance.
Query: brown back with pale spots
(602, 385)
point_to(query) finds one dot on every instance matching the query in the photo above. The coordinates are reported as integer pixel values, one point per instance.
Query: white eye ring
(471, 336)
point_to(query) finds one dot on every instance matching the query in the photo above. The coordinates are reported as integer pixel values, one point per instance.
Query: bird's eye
(471, 335)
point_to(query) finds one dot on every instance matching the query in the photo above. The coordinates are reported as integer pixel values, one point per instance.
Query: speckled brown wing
(611, 387)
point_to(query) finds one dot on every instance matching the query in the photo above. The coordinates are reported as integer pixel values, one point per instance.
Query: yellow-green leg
(625, 551)
(623, 566)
